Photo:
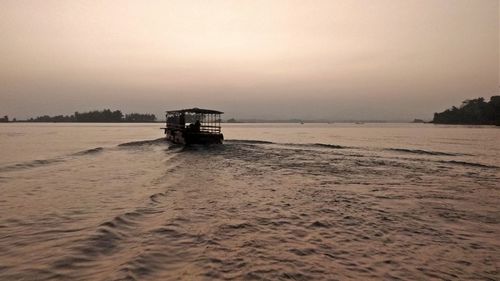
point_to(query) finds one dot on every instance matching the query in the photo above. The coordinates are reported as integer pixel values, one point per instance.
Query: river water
(275, 202)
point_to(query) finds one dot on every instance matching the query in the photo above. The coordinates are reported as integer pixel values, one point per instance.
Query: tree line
(105, 115)
(474, 112)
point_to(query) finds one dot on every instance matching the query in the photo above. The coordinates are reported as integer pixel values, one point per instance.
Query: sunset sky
(340, 60)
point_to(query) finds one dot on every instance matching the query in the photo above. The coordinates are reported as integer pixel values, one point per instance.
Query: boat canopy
(194, 120)
(196, 110)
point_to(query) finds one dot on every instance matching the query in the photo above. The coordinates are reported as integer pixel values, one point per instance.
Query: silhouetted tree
(475, 111)
(58, 118)
(105, 115)
(137, 117)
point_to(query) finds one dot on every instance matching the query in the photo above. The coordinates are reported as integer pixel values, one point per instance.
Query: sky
(337, 60)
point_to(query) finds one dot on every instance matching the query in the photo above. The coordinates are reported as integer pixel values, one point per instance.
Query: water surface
(275, 202)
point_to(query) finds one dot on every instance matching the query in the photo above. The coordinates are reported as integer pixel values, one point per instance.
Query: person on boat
(182, 120)
(197, 126)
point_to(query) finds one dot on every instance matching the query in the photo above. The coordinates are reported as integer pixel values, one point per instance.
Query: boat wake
(253, 210)
(144, 142)
(89, 151)
(424, 152)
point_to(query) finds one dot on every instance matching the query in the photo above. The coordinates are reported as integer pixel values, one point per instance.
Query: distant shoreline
(471, 112)
(239, 122)
(253, 122)
(86, 122)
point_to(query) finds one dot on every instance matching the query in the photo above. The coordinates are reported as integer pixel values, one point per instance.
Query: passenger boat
(194, 126)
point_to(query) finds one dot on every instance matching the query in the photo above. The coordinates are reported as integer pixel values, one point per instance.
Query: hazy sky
(350, 59)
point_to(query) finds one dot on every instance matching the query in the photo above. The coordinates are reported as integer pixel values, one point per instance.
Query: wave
(323, 145)
(89, 151)
(30, 164)
(43, 162)
(250, 141)
(470, 164)
(423, 152)
(316, 145)
(144, 142)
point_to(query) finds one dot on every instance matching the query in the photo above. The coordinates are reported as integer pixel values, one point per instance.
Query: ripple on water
(266, 211)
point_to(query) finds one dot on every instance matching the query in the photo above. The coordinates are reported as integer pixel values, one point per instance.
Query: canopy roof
(196, 110)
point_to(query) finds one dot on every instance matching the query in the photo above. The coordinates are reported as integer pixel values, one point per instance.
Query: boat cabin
(193, 126)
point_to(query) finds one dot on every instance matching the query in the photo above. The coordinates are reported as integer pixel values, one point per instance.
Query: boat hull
(187, 138)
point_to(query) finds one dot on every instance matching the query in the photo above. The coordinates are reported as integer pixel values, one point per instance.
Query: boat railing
(175, 126)
(210, 129)
(203, 128)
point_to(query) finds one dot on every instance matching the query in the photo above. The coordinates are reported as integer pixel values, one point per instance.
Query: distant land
(108, 116)
(296, 120)
(471, 112)
(98, 116)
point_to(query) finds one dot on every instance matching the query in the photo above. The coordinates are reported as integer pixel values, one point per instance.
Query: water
(275, 202)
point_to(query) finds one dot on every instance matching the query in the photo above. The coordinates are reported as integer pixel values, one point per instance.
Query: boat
(194, 126)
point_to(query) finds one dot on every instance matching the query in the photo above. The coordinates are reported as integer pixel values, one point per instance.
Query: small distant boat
(360, 123)
(194, 126)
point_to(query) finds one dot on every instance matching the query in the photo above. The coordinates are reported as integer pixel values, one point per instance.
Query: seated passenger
(197, 126)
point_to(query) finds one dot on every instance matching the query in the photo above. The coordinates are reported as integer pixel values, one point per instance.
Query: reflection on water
(275, 202)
